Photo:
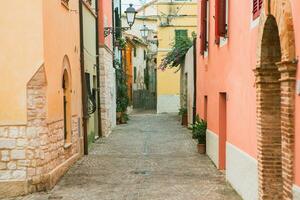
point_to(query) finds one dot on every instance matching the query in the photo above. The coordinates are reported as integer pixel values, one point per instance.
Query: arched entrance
(275, 88)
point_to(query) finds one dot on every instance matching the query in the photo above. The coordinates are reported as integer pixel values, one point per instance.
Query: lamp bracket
(111, 30)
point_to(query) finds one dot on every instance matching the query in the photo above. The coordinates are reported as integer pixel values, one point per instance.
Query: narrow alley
(150, 158)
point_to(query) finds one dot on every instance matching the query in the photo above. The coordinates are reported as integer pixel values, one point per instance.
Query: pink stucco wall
(230, 69)
(296, 19)
(105, 20)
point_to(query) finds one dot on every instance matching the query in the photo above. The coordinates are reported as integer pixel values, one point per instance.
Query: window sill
(67, 145)
(254, 22)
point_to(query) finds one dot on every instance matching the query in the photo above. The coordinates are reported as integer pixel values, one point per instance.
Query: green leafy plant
(122, 93)
(177, 55)
(199, 130)
(182, 111)
(121, 43)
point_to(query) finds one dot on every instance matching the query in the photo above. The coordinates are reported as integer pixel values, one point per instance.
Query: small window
(134, 52)
(204, 22)
(257, 7)
(145, 55)
(67, 107)
(221, 19)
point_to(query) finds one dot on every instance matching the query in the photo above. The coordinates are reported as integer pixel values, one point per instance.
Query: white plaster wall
(140, 63)
(242, 172)
(296, 190)
(168, 103)
(212, 146)
(108, 91)
(189, 69)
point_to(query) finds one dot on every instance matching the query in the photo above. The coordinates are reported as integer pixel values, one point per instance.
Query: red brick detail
(275, 88)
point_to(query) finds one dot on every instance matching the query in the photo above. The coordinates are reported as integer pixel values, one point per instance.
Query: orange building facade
(41, 112)
(248, 87)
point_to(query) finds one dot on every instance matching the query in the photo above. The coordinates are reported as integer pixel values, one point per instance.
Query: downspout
(100, 134)
(195, 81)
(113, 26)
(83, 83)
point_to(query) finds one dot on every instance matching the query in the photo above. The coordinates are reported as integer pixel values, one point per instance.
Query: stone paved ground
(151, 158)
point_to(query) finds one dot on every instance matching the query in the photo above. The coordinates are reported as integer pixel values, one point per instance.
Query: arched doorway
(269, 113)
(275, 89)
(67, 107)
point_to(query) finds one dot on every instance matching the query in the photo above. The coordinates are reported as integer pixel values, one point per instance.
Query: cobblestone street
(151, 158)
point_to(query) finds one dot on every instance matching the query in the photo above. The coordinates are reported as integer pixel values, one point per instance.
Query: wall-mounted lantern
(130, 15)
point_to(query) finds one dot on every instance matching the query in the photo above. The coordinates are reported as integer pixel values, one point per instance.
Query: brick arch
(275, 87)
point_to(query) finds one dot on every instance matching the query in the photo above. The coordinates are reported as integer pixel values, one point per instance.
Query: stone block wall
(108, 91)
(34, 156)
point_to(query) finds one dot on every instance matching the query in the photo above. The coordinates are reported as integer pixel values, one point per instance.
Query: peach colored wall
(233, 66)
(296, 18)
(61, 38)
(21, 47)
(229, 69)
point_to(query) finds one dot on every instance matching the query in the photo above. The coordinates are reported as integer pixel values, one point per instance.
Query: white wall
(296, 190)
(212, 146)
(140, 63)
(168, 103)
(189, 70)
(242, 172)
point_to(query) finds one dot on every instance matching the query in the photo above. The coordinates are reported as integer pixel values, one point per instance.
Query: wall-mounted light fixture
(130, 16)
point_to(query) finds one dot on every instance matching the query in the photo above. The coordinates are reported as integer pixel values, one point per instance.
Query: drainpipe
(83, 83)
(100, 134)
(195, 81)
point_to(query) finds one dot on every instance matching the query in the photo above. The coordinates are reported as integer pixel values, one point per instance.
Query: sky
(136, 3)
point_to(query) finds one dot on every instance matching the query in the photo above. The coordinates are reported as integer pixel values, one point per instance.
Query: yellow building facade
(174, 17)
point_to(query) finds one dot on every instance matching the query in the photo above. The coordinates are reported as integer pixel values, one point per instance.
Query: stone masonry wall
(30, 154)
(108, 91)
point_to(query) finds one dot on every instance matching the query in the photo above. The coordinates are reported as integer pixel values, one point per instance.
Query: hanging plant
(121, 43)
(176, 56)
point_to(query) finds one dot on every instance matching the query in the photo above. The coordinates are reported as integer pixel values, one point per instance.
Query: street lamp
(145, 32)
(130, 15)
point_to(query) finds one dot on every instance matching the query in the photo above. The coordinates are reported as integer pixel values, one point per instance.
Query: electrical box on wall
(298, 87)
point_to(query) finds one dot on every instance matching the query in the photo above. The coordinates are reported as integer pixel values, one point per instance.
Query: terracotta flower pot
(119, 116)
(201, 148)
(184, 120)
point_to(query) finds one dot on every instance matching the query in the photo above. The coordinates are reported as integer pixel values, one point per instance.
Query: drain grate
(55, 198)
(142, 172)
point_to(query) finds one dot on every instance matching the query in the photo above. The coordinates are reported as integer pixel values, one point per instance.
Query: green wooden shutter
(180, 34)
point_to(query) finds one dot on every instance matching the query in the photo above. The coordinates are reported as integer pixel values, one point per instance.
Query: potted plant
(184, 116)
(199, 133)
(122, 94)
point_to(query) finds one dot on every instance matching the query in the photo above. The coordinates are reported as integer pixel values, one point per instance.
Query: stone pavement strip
(151, 158)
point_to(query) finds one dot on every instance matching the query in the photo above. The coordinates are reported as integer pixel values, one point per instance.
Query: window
(134, 52)
(134, 75)
(257, 7)
(67, 107)
(221, 19)
(145, 55)
(204, 26)
(180, 34)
